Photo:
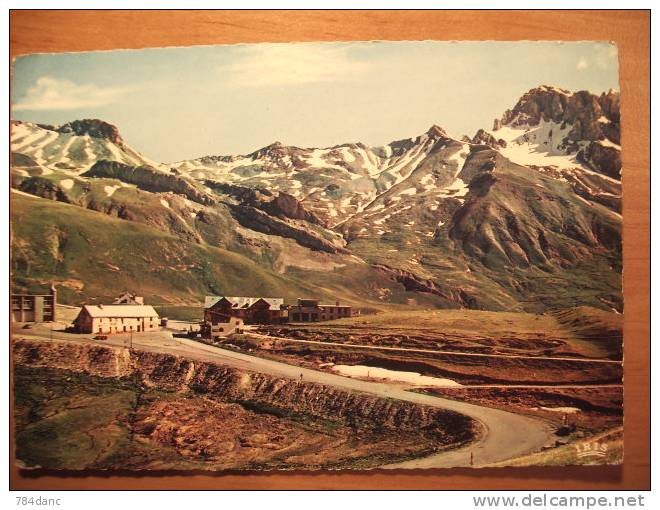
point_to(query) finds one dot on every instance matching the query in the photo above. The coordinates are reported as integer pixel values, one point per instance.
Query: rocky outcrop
(413, 283)
(91, 359)
(605, 158)
(586, 113)
(43, 188)
(175, 374)
(593, 122)
(149, 179)
(261, 221)
(483, 137)
(287, 206)
(95, 128)
(280, 204)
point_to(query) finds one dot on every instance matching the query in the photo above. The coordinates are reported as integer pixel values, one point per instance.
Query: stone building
(253, 310)
(221, 329)
(34, 307)
(309, 310)
(108, 319)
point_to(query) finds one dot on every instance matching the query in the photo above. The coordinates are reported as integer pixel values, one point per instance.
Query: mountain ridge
(484, 222)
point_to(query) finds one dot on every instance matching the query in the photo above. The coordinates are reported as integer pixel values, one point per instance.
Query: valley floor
(523, 391)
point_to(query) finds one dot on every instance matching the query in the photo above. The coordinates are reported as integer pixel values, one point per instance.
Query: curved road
(506, 435)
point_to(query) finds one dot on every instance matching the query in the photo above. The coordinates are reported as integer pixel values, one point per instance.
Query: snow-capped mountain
(572, 136)
(336, 182)
(552, 127)
(73, 147)
(481, 222)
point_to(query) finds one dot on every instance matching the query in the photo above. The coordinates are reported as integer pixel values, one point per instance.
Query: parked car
(101, 337)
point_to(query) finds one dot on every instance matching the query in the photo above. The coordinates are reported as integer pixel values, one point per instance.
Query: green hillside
(92, 254)
(92, 257)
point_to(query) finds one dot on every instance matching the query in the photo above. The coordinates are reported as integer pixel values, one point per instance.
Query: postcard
(317, 256)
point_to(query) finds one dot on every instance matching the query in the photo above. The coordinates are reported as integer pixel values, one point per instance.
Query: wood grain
(58, 31)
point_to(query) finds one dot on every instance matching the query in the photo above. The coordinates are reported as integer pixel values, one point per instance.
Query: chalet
(128, 299)
(309, 310)
(253, 310)
(34, 307)
(116, 319)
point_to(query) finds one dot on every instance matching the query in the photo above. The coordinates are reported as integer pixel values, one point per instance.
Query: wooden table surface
(59, 31)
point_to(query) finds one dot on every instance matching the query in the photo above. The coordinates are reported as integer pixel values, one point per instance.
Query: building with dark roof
(253, 310)
(310, 310)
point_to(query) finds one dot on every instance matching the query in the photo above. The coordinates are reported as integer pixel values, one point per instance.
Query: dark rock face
(149, 179)
(43, 188)
(586, 112)
(287, 206)
(483, 137)
(436, 132)
(413, 283)
(281, 204)
(260, 221)
(91, 127)
(604, 158)
(591, 118)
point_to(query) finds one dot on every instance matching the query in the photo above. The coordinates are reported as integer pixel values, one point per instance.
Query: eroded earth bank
(96, 407)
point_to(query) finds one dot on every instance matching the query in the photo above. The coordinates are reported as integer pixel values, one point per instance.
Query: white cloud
(582, 64)
(602, 57)
(606, 56)
(49, 93)
(267, 65)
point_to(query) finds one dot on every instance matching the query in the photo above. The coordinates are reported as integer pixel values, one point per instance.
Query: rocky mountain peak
(540, 103)
(483, 137)
(591, 117)
(275, 150)
(92, 127)
(436, 131)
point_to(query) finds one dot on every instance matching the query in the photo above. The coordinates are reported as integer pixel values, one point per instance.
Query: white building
(222, 329)
(108, 319)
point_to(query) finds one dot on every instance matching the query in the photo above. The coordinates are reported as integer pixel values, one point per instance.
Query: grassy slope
(470, 323)
(592, 277)
(92, 254)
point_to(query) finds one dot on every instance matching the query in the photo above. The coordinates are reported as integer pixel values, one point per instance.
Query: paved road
(506, 435)
(448, 353)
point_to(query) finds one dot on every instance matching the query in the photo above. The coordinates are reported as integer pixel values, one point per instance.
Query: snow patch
(348, 155)
(110, 190)
(566, 410)
(537, 145)
(393, 375)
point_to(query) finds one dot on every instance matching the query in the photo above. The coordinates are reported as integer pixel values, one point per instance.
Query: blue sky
(181, 103)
